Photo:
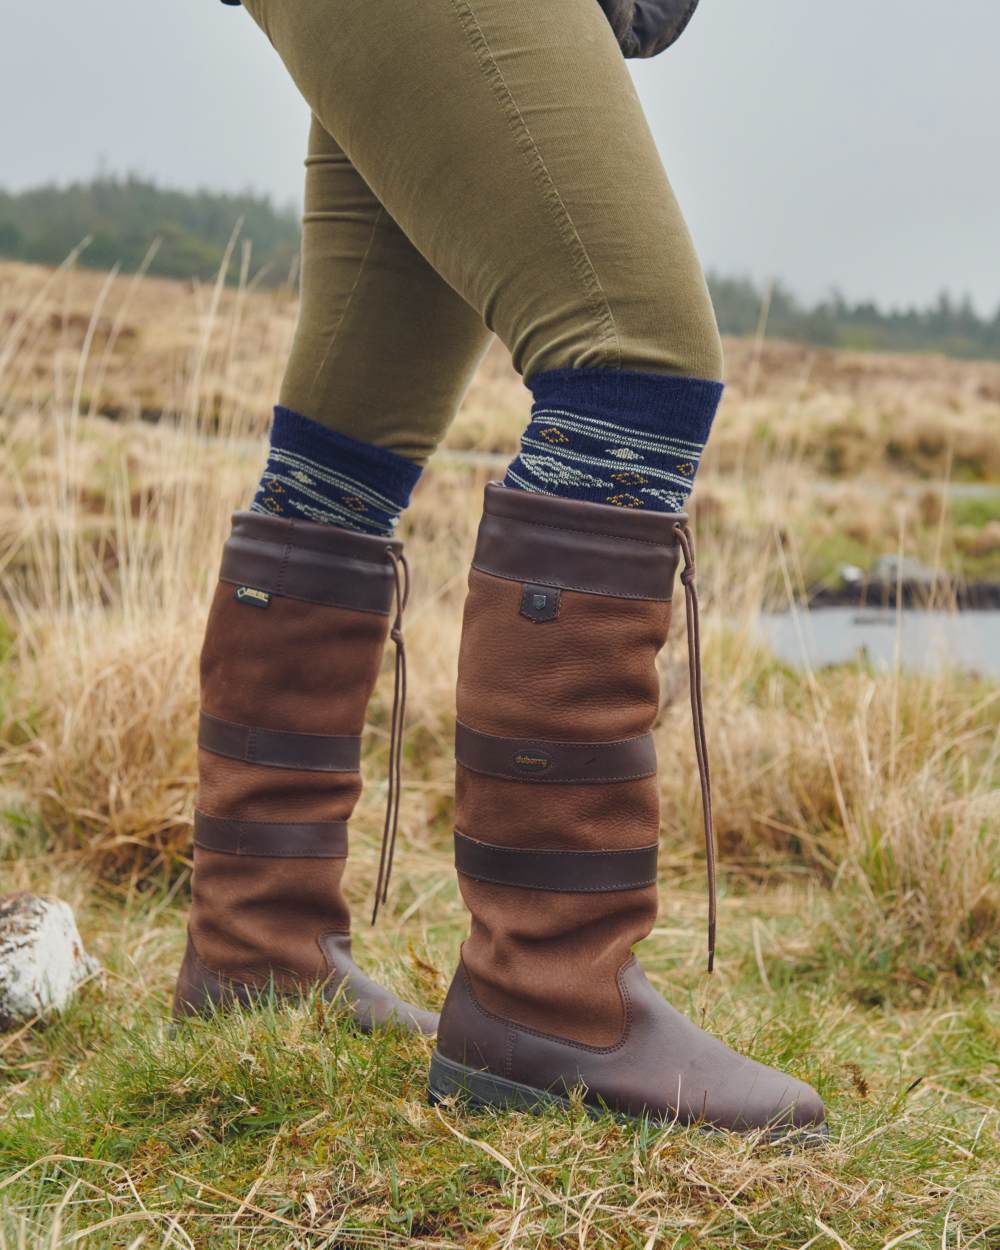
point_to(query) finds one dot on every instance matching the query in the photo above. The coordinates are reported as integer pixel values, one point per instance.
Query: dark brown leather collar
(317, 563)
(541, 539)
(326, 539)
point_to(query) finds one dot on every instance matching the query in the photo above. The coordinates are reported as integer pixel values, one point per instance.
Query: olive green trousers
(475, 167)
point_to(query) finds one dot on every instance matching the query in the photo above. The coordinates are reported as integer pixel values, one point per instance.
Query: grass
(858, 817)
(288, 1128)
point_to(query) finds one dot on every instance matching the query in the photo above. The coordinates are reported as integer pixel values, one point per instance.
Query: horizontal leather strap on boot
(326, 839)
(540, 760)
(570, 872)
(548, 541)
(317, 563)
(276, 748)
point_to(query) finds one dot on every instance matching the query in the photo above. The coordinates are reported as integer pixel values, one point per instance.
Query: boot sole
(484, 1090)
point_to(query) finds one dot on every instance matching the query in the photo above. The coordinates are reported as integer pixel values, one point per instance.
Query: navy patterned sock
(320, 475)
(631, 440)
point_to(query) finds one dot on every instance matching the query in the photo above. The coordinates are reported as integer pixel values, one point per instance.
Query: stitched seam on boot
(538, 779)
(286, 555)
(248, 977)
(300, 597)
(578, 855)
(611, 888)
(553, 1037)
(331, 966)
(572, 529)
(591, 590)
(545, 743)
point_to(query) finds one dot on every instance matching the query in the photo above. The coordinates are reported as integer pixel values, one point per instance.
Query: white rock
(42, 960)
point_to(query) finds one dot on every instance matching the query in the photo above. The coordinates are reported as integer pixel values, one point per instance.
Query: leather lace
(401, 577)
(698, 720)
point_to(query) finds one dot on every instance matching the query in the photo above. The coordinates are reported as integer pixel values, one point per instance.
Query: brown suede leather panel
(238, 791)
(302, 668)
(551, 961)
(297, 666)
(615, 817)
(589, 675)
(253, 918)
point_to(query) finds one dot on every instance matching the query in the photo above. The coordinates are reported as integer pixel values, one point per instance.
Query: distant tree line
(948, 325)
(122, 216)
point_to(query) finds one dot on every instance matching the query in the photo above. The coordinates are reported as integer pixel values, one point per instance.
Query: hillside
(120, 219)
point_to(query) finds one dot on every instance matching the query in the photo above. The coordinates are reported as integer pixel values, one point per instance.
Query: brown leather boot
(557, 826)
(293, 647)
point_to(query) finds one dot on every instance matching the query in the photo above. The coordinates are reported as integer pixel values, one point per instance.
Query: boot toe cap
(425, 1022)
(807, 1110)
(780, 1105)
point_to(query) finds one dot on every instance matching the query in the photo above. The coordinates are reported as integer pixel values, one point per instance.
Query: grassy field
(858, 816)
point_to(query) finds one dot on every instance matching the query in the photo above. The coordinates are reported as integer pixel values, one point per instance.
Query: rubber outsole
(482, 1090)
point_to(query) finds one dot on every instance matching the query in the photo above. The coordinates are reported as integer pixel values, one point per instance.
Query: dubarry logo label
(540, 603)
(255, 598)
(531, 763)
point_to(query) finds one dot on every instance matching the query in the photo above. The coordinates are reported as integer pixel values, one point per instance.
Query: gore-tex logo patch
(253, 597)
(531, 763)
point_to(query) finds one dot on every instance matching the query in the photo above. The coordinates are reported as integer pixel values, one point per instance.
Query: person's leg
(295, 636)
(383, 352)
(506, 140)
(292, 650)
(384, 349)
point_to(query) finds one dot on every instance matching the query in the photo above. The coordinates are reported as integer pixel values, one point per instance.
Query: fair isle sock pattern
(629, 440)
(319, 475)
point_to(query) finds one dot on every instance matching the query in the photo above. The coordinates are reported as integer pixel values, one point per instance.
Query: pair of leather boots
(557, 810)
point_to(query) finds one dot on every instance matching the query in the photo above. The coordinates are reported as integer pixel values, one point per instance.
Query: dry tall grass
(884, 787)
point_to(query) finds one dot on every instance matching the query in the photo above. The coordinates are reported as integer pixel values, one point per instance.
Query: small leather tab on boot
(540, 603)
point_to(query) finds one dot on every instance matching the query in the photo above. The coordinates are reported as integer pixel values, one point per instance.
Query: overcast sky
(853, 144)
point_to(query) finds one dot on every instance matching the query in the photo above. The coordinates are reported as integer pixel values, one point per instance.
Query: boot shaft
(292, 650)
(557, 831)
(557, 810)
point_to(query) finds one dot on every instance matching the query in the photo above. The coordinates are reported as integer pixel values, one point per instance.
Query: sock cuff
(394, 474)
(322, 475)
(650, 402)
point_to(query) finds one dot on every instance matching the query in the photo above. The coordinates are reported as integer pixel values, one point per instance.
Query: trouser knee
(649, 324)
